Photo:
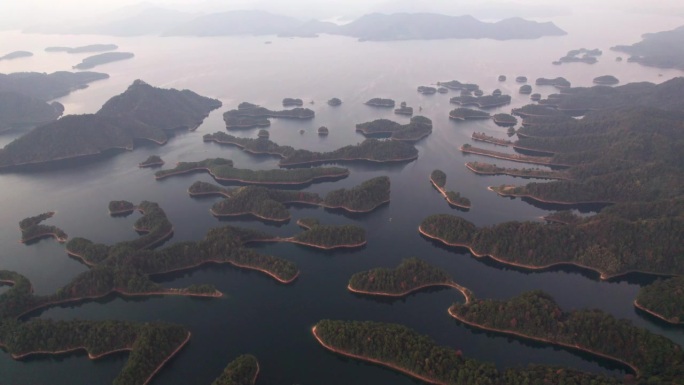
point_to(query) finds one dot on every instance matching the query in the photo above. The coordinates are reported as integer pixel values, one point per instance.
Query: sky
(21, 13)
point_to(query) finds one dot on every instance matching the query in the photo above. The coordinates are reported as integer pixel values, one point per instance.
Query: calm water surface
(258, 315)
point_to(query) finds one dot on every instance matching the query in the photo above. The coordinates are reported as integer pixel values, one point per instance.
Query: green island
(535, 97)
(287, 102)
(485, 101)
(404, 110)
(241, 371)
(663, 299)
(263, 134)
(19, 111)
(379, 102)
(103, 58)
(611, 242)
(152, 161)
(482, 137)
(32, 229)
(426, 90)
(559, 82)
(334, 102)
(370, 150)
(418, 128)
(404, 350)
(540, 160)
(121, 207)
(249, 115)
(566, 217)
(141, 112)
(534, 110)
(588, 56)
(438, 180)
(502, 78)
(44, 86)
(478, 92)
(222, 170)
(458, 86)
(323, 131)
(84, 48)
(328, 237)
(463, 113)
(504, 120)
(656, 49)
(16, 55)
(411, 275)
(269, 204)
(151, 345)
(521, 79)
(535, 315)
(606, 80)
(525, 89)
(482, 168)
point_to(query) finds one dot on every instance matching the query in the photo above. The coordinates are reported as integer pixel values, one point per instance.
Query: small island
(426, 90)
(404, 109)
(249, 115)
(535, 97)
(121, 208)
(606, 80)
(323, 131)
(334, 102)
(379, 102)
(486, 101)
(288, 102)
(504, 120)
(241, 371)
(481, 168)
(582, 55)
(521, 79)
(502, 78)
(559, 82)
(478, 92)
(263, 134)
(103, 58)
(83, 49)
(496, 92)
(438, 179)
(663, 299)
(16, 55)
(458, 86)
(152, 161)
(525, 89)
(411, 275)
(418, 128)
(32, 229)
(328, 237)
(540, 160)
(463, 113)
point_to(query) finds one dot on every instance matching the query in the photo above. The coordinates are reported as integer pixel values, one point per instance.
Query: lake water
(258, 315)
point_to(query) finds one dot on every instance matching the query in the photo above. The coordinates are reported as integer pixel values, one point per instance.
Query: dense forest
(664, 298)
(22, 111)
(43, 86)
(438, 179)
(150, 344)
(121, 120)
(103, 58)
(379, 102)
(152, 161)
(418, 128)
(403, 349)
(329, 236)
(410, 275)
(559, 82)
(505, 120)
(33, 229)
(536, 173)
(607, 242)
(121, 207)
(463, 113)
(241, 371)
(536, 315)
(660, 49)
(362, 198)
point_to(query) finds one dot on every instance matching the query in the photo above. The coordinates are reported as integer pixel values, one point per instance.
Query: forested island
(43, 86)
(269, 204)
(249, 115)
(427, 90)
(418, 128)
(438, 180)
(535, 97)
(559, 82)
(463, 113)
(121, 208)
(151, 345)
(241, 371)
(141, 112)
(535, 315)
(328, 237)
(22, 111)
(606, 80)
(323, 131)
(16, 55)
(223, 170)
(404, 350)
(334, 102)
(660, 49)
(411, 275)
(379, 102)
(486, 101)
(458, 86)
(610, 242)
(525, 89)
(540, 160)
(288, 102)
(103, 58)
(482, 168)
(152, 161)
(84, 48)
(521, 79)
(582, 55)
(32, 229)
(663, 299)
(404, 110)
(504, 120)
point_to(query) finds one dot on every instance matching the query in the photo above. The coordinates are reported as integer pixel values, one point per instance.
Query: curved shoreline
(310, 180)
(178, 349)
(444, 194)
(479, 172)
(466, 293)
(655, 314)
(602, 274)
(536, 199)
(511, 157)
(220, 262)
(152, 164)
(544, 340)
(313, 245)
(375, 361)
(45, 235)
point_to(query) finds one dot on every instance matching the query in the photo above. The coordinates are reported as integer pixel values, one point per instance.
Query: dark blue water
(258, 315)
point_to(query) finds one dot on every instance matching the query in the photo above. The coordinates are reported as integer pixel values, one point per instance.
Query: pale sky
(28, 12)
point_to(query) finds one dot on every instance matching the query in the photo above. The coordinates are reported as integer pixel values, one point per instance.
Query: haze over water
(257, 315)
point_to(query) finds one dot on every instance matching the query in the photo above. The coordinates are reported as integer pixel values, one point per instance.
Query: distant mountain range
(376, 26)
